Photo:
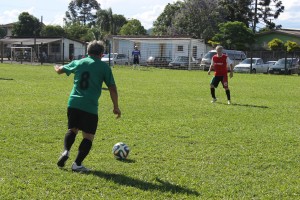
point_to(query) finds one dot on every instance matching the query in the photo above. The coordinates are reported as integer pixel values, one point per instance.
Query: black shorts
(84, 121)
(136, 61)
(217, 79)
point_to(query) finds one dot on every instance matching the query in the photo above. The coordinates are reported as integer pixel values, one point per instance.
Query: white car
(116, 59)
(258, 66)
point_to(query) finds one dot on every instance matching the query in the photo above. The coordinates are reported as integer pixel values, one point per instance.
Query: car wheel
(253, 71)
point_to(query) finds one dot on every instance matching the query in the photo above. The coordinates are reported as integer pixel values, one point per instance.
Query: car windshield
(248, 61)
(282, 61)
(111, 55)
(181, 59)
(209, 55)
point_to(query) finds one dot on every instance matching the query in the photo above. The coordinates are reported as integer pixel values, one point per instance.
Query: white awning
(29, 41)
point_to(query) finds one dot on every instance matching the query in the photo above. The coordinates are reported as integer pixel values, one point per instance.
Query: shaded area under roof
(29, 41)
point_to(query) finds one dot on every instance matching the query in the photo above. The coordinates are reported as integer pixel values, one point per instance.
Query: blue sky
(146, 11)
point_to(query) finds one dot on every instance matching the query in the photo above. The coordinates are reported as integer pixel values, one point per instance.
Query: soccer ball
(120, 150)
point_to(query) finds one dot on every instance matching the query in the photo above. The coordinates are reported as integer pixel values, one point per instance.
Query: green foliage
(237, 10)
(234, 35)
(182, 146)
(27, 26)
(164, 24)
(105, 20)
(267, 11)
(276, 45)
(82, 11)
(199, 19)
(3, 32)
(292, 46)
(52, 31)
(118, 22)
(133, 27)
(78, 31)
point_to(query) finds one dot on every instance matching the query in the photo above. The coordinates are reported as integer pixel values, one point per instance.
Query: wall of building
(262, 40)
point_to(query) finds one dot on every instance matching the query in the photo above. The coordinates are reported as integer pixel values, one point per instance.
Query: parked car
(292, 66)
(235, 56)
(115, 58)
(258, 66)
(122, 59)
(158, 61)
(182, 62)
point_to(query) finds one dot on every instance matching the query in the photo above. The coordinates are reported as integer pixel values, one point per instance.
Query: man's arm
(114, 98)
(210, 67)
(59, 69)
(231, 67)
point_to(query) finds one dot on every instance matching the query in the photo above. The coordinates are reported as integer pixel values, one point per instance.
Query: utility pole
(255, 17)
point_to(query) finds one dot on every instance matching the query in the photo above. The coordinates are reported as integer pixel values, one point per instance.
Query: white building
(56, 48)
(159, 46)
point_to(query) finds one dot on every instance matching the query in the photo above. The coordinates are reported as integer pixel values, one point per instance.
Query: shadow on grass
(244, 105)
(162, 186)
(126, 160)
(6, 79)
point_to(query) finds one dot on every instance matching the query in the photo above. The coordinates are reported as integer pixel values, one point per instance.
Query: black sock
(228, 94)
(212, 91)
(84, 149)
(69, 140)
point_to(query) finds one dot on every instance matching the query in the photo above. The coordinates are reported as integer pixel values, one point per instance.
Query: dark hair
(95, 48)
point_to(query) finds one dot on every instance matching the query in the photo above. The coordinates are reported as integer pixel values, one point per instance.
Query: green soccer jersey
(89, 74)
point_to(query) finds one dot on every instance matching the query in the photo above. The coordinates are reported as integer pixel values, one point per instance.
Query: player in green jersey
(89, 75)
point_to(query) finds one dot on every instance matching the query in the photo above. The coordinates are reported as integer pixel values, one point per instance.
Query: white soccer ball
(120, 150)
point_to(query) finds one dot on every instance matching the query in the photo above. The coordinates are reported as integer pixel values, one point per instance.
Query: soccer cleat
(81, 168)
(213, 100)
(63, 158)
(228, 102)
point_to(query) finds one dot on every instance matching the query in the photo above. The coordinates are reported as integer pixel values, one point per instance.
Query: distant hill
(150, 31)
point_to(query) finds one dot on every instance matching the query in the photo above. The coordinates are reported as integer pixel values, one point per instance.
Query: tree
(292, 46)
(133, 27)
(276, 45)
(105, 20)
(234, 35)
(165, 22)
(52, 31)
(199, 19)
(118, 22)
(78, 31)
(253, 12)
(82, 11)
(27, 26)
(237, 10)
(265, 11)
(3, 32)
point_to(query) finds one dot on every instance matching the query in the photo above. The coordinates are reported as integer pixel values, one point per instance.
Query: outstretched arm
(210, 67)
(59, 69)
(114, 98)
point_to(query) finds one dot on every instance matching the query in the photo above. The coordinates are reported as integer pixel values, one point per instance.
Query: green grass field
(182, 146)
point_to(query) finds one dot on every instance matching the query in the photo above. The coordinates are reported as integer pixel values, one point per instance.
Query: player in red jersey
(219, 63)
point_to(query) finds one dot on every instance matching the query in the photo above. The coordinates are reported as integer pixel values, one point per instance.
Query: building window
(195, 52)
(179, 48)
(55, 48)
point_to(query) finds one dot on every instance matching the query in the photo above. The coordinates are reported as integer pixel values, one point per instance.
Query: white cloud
(10, 16)
(56, 20)
(148, 17)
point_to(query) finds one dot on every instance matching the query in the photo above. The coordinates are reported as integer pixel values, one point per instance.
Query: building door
(71, 51)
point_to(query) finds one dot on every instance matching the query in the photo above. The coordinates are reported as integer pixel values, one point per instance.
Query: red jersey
(220, 65)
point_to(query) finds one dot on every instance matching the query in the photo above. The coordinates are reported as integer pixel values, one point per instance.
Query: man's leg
(212, 91)
(213, 84)
(83, 150)
(68, 142)
(227, 91)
